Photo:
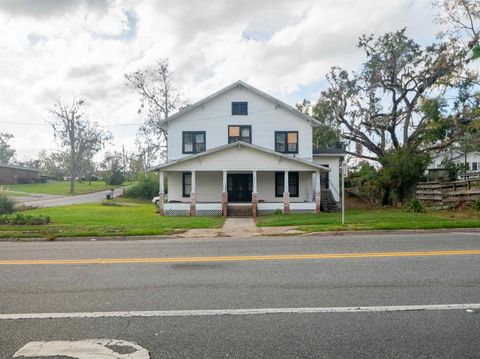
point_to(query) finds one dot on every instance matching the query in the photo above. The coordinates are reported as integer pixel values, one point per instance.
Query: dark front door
(240, 187)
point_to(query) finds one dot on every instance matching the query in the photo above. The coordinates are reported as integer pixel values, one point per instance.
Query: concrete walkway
(239, 227)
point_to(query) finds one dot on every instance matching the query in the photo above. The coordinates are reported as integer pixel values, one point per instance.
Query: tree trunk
(386, 197)
(73, 171)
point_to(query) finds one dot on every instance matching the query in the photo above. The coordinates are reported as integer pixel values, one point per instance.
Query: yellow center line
(274, 257)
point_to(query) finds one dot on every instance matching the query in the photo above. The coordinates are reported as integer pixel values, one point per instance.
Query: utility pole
(344, 173)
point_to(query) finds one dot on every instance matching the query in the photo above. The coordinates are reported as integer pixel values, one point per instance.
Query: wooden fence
(446, 194)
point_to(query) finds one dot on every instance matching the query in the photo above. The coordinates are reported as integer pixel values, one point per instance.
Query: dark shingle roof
(329, 151)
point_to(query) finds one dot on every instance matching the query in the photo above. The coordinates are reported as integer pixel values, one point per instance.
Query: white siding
(215, 116)
(334, 165)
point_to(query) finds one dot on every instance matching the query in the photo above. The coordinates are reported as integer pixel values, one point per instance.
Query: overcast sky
(66, 48)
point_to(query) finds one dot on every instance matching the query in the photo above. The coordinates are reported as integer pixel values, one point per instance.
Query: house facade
(242, 148)
(11, 174)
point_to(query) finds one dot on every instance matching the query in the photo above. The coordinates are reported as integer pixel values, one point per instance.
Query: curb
(177, 236)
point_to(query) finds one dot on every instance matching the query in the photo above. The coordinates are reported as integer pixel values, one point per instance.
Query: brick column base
(193, 204)
(224, 204)
(161, 206)
(317, 202)
(254, 204)
(286, 203)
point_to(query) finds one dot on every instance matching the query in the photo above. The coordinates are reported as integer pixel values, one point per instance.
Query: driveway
(45, 200)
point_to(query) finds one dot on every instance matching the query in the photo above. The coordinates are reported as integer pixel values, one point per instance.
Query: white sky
(66, 48)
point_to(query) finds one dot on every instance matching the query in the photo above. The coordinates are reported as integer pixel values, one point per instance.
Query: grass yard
(129, 217)
(377, 219)
(60, 187)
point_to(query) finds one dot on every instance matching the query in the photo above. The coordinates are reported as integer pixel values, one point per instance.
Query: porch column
(161, 206)
(286, 195)
(318, 193)
(254, 195)
(224, 195)
(193, 197)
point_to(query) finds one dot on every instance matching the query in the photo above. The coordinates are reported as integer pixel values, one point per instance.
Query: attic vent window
(239, 108)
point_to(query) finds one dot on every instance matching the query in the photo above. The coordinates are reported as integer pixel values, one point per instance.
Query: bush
(24, 219)
(146, 188)
(278, 212)
(476, 205)
(415, 206)
(6, 204)
(114, 177)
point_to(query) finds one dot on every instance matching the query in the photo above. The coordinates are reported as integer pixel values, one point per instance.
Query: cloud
(46, 8)
(66, 48)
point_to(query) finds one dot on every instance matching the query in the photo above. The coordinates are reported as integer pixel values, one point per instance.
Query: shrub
(146, 188)
(476, 205)
(24, 219)
(278, 212)
(114, 177)
(6, 204)
(415, 206)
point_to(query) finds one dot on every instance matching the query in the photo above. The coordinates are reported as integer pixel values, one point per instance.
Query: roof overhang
(279, 160)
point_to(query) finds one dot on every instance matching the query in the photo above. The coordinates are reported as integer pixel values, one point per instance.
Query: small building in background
(11, 174)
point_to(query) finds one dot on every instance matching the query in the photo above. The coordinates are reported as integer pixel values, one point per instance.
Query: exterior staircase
(239, 210)
(327, 201)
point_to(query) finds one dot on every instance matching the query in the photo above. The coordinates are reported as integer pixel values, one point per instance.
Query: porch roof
(268, 161)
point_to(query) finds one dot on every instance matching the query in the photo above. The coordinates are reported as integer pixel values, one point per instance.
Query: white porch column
(224, 194)
(161, 180)
(254, 194)
(286, 195)
(318, 193)
(193, 197)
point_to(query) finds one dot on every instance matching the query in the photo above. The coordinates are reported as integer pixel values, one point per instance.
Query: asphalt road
(45, 200)
(191, 285)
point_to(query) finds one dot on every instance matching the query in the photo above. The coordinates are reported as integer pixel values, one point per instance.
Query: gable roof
(244, 144)
(246, 86)
(462, 154)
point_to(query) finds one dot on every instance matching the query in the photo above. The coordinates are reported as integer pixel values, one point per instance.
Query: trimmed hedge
(24, 219)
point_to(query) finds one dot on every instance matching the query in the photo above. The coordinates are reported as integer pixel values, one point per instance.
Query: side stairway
(327, 201)
(239, 210)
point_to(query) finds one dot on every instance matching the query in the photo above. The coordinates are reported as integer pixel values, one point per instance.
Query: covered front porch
(244, 177)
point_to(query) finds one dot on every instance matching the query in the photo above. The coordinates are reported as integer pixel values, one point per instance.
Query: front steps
(239, 210)
(327, 201)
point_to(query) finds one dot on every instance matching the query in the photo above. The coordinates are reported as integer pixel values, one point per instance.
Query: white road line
(255, 311)
(468, 233)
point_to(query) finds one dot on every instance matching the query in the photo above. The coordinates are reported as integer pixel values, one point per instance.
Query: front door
(240, 187)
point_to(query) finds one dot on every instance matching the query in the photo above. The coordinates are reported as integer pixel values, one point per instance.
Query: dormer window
(239, 108)
(193, 141)
(239, 133)
(286, 141)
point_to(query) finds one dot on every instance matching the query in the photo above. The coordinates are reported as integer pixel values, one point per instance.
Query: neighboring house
(240, 148)
(457, 156)
(10, 174)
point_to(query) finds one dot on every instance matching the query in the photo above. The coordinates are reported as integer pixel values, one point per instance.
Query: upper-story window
(239, 133)
(286, 141)
(239, 108)
(193, 141)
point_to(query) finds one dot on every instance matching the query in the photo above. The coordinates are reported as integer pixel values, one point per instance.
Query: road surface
(279, 297)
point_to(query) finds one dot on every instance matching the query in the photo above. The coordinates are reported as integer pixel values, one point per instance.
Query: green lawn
(95, 220)
(379, 219)
(60, 187)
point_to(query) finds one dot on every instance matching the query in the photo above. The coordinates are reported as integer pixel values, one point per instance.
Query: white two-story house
(240, 147)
